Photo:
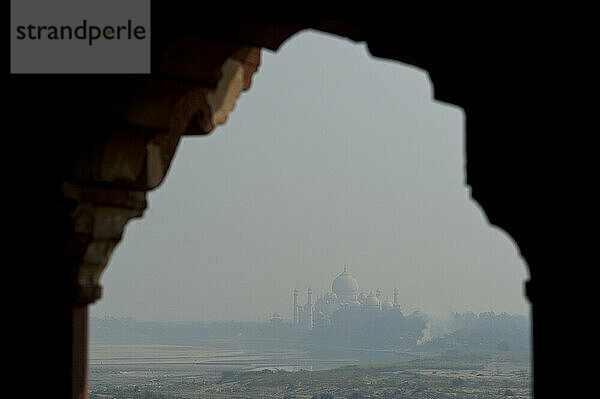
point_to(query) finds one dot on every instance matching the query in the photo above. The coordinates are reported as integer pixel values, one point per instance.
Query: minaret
(310, 310)
(396, 297)
(296, 321)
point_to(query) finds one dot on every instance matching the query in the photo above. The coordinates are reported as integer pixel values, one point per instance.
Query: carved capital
(197, 88)
(95, 220)
(115, 160)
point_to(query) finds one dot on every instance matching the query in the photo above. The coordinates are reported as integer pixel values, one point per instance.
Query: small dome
(276, 318)
(387, 304)
(372, 300)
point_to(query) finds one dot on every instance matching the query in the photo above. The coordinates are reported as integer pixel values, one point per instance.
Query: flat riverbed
(153, 365)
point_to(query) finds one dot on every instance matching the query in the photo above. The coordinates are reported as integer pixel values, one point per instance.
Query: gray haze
(331, 158)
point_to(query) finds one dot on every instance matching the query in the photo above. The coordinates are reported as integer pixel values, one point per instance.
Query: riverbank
(174, 371)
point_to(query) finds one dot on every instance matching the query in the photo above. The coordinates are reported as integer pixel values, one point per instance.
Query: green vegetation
(451, 374)
(119, 394)
(420, 364)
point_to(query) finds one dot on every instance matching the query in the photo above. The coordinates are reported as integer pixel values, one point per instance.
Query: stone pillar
(79, 352)
(117, 151)
(87, 149)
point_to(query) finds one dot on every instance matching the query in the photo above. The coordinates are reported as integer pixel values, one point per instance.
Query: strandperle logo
(80, 36)
(84, 31)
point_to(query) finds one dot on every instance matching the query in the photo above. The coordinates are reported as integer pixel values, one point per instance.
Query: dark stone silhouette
(87, 148)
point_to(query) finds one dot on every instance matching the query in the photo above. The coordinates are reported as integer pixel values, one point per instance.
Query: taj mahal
(344, 302)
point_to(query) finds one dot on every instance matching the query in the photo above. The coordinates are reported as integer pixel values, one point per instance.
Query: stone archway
(107, 140)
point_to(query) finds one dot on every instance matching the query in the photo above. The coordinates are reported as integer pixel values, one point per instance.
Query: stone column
(119, 152)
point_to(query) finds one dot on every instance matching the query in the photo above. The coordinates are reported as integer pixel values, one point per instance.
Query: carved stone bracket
(97, 218)
(113, 164)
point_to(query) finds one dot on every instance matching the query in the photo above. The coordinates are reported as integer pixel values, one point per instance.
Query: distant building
(276, 318)
(344, 302)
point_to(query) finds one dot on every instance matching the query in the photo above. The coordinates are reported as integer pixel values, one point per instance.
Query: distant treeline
(416, 331)
(486, 331)
(131, 331)
(378, 330)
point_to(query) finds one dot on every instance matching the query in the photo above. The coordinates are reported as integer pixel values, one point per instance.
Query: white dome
(345, 286)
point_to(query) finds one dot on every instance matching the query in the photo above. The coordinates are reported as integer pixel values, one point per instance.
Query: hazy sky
(332, 157)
